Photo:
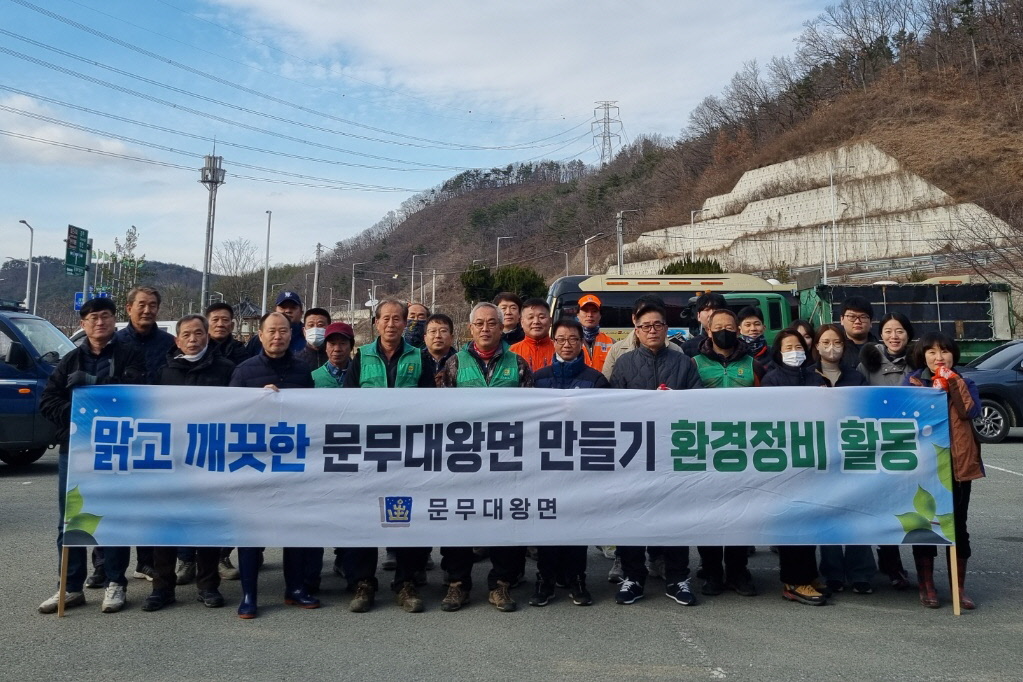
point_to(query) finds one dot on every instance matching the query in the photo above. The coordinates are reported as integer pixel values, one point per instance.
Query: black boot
(249, 559)
(295, 573)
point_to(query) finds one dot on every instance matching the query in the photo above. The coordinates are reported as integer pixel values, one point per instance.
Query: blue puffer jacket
(155, 345)
(285, 372)
(573, 374)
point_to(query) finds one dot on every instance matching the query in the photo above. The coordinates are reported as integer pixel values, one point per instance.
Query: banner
(504, 466)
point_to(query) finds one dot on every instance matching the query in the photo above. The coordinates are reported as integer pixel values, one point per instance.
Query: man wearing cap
(706, 304)
(339, 340)
(288, 304)
(596, 344)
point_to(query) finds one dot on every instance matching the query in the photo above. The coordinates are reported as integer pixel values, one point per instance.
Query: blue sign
(80, 297)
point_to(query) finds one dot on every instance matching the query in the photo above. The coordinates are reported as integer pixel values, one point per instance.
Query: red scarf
(485, 356)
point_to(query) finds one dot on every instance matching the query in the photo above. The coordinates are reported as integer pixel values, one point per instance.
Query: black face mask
(725, 339)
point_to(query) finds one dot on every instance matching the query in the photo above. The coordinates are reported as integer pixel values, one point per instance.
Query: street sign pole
(88, 262)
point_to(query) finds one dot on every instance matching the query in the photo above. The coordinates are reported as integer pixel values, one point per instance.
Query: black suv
(30, 347)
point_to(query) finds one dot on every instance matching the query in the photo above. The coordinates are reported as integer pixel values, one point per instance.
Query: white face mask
(793, 358)
(314, 336)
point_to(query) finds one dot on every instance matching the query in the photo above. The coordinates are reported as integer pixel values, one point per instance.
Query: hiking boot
(390, 561)
(616, 574)
(577, 591)
(804, 594)
(70, 599)
(144, 573)
(656, 567)
(455, 599)
(158, 599)
(712, 587)
(743, 585)
(211, 599)
(365, 595)
(98, 579)
(681, 592)
(185, 572)
(227, 570)
(501, 598)
(408, 598)
(113, 599)
(628, 592)
(543, 593)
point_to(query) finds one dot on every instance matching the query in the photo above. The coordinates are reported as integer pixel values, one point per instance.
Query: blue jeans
(848, 563)
(115, 559)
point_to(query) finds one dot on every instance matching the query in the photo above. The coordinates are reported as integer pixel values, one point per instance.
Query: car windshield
(999, 358)
(49, 343)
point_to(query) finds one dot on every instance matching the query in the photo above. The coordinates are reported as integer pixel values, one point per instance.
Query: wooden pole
(953, 578)
(63, 581)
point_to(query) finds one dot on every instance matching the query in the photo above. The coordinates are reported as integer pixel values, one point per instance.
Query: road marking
(1008, 471)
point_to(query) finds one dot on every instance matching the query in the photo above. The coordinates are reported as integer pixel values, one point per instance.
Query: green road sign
(77, 246)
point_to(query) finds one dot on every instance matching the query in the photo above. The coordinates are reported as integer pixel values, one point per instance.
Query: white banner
(479, 467)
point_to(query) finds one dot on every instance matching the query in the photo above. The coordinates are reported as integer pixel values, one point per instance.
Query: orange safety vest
(601, 346)
(537, 354)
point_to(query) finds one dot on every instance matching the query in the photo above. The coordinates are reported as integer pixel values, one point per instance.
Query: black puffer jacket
(573, 374)
(783, 375)
(212, 369)
(232, 349)
(284, 372)
(642, 368)
(155, 345)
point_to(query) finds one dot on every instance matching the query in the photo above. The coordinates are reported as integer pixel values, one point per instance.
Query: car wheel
(992, 426)
(21, 457)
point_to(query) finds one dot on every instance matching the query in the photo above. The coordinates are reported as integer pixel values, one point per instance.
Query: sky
(328, 113)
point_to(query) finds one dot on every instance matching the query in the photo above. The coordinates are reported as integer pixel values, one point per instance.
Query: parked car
(30, 347)
(169, 326)
(999, 378)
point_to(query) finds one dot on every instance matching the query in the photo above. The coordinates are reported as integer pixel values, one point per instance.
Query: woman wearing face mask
(850, 563)
(797, 563)
(751, 331)
(886, 364)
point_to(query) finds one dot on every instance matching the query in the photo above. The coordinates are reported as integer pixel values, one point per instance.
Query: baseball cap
(342, 328)
(589, 298)
(289, 296)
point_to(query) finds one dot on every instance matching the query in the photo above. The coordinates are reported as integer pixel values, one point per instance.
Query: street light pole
(266, 262)
(692, 232)
(351, 294)
(586, 252)
(28, 279)
(212, 176)
(565, 253)
(316, 275)
(620, 228)
(497, 262)
(412, 289)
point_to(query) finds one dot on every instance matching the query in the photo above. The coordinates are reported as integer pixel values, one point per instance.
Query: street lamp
(28, 279)
(351, 302)
(586, 252)
(412, 289)
(692, 232)
(28, 304)
(824, 241)
(266, 263)
(497, 263)
(211, 297)
(565, 253)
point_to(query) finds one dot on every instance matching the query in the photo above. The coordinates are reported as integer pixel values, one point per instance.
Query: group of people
(512, 343)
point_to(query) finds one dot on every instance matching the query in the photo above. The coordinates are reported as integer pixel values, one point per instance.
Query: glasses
(562, 340)
(651, 327)
(857, 318)
(489, 324)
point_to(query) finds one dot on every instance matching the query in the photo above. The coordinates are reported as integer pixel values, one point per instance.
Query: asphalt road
(884, 636)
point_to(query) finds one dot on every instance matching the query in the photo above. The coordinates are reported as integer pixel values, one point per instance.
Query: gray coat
(879, 369)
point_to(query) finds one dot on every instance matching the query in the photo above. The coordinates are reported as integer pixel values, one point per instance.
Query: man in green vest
(339, 338)
(390, 362)
(724, 361)
(484, 362)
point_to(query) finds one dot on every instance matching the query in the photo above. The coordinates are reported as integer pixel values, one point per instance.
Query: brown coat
(966, 462)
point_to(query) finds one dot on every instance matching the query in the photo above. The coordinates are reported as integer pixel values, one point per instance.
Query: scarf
(590, 334)
(485, 356)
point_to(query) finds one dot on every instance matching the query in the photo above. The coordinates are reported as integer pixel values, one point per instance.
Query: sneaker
(681, 592)
(804, 594)
(185, 572)
(390, 561)
(835, 586)
(113, 599)
(365, 595)
(544, 592)
(862, 588)
(144, 573)
(628, 592)
(609, 551)
(616, 574)
(899, 580)
(211, 599)
(97, 580)
(455, 599)
(408, 598)
(501, 598)
(70, 599)
(578, 593)
(227, 570)
(656, 567)
(821, 586)
(743, 585)
(156, 601)
(712, 587)
(562, 581)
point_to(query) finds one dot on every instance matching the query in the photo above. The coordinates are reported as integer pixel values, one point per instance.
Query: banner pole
(63, 581)
(953, 578)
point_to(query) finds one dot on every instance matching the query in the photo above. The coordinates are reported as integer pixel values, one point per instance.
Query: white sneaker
(113, 598)
(609, 551)
(616, 575)
(70, 599)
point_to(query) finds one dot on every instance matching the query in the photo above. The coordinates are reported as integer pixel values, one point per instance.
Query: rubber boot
(295, 574)
(248, 569)
(964, 600)
(925, 580)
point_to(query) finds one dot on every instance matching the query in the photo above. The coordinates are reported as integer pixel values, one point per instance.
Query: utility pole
(351, 296)
(316, 274)
(88, 265)
(497, 260)
(266, 262)
(433, 292)
(412, 289)
(212, 176)
(28, 280)
(602, 128)
(620, 229)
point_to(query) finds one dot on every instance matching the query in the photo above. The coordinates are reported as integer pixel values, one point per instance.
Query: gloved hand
(945, 373)
(80, 378)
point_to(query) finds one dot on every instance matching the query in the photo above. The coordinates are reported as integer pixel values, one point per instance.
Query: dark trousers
(561, 561)
(735, 561)
(302, 568)
(410, 560)
(676, 563)
(889, 560)
(507, 564)
(797, 564)
(114, 559)
(207, 560)
(960, 507)
(357, 564)
(188, 553)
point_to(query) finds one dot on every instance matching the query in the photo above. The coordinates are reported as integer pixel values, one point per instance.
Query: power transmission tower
(604, 128)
